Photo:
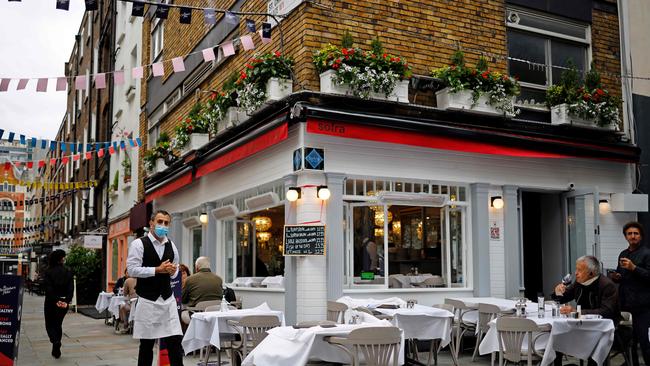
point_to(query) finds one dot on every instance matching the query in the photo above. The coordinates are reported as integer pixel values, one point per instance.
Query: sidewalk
(86, 341)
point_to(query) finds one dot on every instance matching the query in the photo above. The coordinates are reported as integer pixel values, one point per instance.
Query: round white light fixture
(203, 218)
(603, 206)
(293, 194)
(497, 202)
(323, 193)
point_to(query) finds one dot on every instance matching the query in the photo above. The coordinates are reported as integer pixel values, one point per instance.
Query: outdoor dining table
(206, 327)
(103, 300)
(580, 338)
(289, 346)
(472, 302)
(114, 305)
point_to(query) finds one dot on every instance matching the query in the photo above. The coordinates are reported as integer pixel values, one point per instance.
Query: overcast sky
(36, 40)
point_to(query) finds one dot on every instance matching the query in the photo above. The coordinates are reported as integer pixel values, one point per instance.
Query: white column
(311, 272)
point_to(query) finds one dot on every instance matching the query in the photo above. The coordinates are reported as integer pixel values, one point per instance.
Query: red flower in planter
(600, 92)
(344, 51)
(485, 74)
(249, 66)
(278, 54)
(213, 95)
(586, 96)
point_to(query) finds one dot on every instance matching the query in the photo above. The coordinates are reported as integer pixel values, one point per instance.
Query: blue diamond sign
(308, 158)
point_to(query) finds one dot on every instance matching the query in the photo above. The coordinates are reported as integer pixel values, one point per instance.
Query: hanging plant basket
(462, 100)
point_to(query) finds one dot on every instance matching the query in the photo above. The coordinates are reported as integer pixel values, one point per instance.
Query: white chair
(252, 330)
(486, 313)
(378, 345)
(462, 324)
(511, 333)
(335, 311)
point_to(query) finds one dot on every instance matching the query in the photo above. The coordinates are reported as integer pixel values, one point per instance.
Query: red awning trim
(172, 186)
(383, 134)
(250, 148)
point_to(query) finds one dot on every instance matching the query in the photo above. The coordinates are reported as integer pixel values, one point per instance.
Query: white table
(205, 328)
(582, 338)
(114, 305)
(370, 302)
(103, 300)
(288, 346)
(472, 302)
(422, 322)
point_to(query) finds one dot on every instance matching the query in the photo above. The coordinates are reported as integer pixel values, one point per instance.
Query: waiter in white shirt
(153, 260)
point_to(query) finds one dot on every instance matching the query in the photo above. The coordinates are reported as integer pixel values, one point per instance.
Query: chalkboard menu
(304, 239)
(11, 300)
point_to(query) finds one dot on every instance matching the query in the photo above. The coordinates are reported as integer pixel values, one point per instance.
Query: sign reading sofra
(93, 241)
(304, 239)
(11, 301)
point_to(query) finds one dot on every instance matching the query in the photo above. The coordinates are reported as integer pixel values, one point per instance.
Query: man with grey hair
(203, 285)
(596, 294)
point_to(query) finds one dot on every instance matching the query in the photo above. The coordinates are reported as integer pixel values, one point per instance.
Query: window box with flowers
(476, 89)
(265, 78)
(372, 74)
(584, 104)
(126, 165)
(222, 112)
(157, 158)
(192, 132)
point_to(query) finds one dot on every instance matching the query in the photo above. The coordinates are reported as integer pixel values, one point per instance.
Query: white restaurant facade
(438, 184)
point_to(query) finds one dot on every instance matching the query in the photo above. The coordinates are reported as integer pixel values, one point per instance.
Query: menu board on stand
(11, 303)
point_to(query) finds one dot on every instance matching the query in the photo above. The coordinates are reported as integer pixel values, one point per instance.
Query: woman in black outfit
(58, 294)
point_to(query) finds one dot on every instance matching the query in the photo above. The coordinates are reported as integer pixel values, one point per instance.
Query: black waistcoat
(151, 288)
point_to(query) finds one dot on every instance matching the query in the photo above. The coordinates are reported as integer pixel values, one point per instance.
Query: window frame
(157, 45)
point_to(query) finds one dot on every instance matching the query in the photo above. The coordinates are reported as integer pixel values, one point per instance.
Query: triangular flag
(76, 157)
(266, 32)
(11, 136)
(63, 4)
(138, 142)
(53, 161)
(2, 132)
(91, 5)
(208, 54)
(209, 16)
(73, 148)
(100, 81)
(22, 140)
(111, 150)
(228, 49)
(41, 85)
(130, 142)
(43, 144)
(247, 42)
(41, 163)
(22, 84)
(52, 145)
(178, 64)
(231, 18)
(118, 77)
(89, 155)
(138, 9)
(63, 146)
(4, 85)
(122, 145)
(162, 11)
(80, 82)
(158, 69)
(33, 141)
(115, 145)
(100, 152)
(185, 16)
(137, 72)
(250, 25)
(30, 164)
(65, 159)
(61, 83)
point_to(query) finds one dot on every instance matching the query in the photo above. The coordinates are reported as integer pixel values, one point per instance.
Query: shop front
(416, 208)
(119, 237)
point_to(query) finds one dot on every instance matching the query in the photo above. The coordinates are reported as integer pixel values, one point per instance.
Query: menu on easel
(11, 301)
(304, 240)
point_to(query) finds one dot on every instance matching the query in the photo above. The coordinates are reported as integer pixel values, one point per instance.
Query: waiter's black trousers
(174, 350)
(54, 321)
(640, 324)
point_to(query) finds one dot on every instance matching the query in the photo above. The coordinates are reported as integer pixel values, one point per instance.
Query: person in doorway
(633, 277)
(370, 255)
(153, 260)
(596, 294)
(58, 294)
(120, 282)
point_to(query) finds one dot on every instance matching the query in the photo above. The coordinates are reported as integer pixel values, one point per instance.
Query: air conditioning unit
(421, 199)
(191, 221)
(225, 212)
(262, 201)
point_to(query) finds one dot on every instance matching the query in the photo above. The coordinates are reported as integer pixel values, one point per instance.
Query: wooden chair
(434, 348)
(511, 333)
(335, 311)
(462, 325)
(486, 312)
(252, 330)
(379, 346)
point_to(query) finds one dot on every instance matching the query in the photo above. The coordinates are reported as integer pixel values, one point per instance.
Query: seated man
(125, 309)
(203, 285)
(596, 294)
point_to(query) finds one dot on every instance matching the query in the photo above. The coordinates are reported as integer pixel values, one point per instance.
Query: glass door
(245, 243)
(366, 257)
(582, 225)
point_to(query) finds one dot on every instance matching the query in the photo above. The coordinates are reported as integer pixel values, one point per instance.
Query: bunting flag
(185, 16)
(209, 16)
(178, 64)
(250, 25)
(63, 4)
(91, 5)
(138, 9)
(247, 42)
(162, 11)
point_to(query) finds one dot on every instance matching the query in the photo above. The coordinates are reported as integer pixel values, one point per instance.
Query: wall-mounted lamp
(497, 202)
(603, 206)
(203, 218)
(323, 193)
(293, 194)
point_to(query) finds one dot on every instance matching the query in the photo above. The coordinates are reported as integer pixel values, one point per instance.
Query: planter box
(126, 185)
(197, 140)
(277, 89)
(233, 117)
(462, 100)
(399, 94)
(560, 116)
(160, 166)
(114, 194)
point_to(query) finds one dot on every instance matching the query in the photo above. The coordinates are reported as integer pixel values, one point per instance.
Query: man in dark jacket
(633, 275)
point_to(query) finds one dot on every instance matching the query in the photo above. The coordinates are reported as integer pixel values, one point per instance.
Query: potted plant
(266, 77)
(582, 103)
(114, 186)
(476, 88)
(365, 74)
(126, 165)
(157, 158)
(192, 132)
(221, 111)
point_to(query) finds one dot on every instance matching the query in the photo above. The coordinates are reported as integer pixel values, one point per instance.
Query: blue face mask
(161, 231)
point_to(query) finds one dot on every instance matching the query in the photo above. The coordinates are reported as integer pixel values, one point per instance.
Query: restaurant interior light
(603, 205)
(497, 202)
(203, 218)
(323, 193)
(293, 194)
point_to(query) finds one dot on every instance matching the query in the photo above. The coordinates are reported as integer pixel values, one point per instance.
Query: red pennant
(100, 152)
(52, 161)
(111, 150)
(7, 165)
(41, 163)
(89, 155)
(18, 163)
(65, 159)
(30, 164)
(76, 157)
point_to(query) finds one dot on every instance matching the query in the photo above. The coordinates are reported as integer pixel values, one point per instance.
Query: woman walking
(58, 294)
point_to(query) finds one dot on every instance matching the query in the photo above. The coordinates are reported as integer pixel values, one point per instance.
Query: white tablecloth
(286, 346)
(582, 339)
(114, 305)
(371, 303)
(247, 281)
(472, 302)
(103, 299)
(205, 328)
(422, 322)
(274, 282)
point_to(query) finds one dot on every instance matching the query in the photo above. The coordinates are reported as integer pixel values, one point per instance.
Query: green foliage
(195, 122)
(126, 165)
(458, 59)
(85, 264)
(116, 180)
(482, 64)
(161, 150)
(230, 84)
(251, 85)
(592, 79)
(376, 46)
(346, 40)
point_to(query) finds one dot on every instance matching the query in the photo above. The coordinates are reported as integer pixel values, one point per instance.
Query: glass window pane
(349, 186)
(228, 242)
(461, 194)
(562, 52)
(359, 188)
(368, 245)
(399, 186)
(380, 186)
(526, 47)
(244, 251)
(196, 243)
(532, 95)
(269, 260)
(456, 245)
(114, 260)
(408, 187)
